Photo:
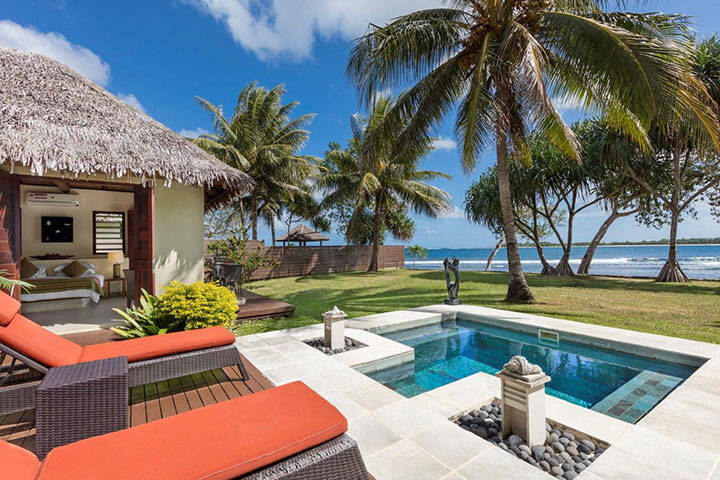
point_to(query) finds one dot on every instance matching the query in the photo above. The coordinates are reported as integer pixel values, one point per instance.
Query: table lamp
(117, 259)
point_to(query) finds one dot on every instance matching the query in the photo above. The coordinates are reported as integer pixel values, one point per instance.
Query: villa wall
(178, 234)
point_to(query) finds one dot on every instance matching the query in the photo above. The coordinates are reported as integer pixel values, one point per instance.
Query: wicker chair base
(338, 459)
(174, 366)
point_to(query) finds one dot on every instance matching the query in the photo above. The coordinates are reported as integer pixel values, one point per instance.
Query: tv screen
(57, 229)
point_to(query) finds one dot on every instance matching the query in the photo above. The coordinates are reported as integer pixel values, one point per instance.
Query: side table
(123, 286)
(79, 401)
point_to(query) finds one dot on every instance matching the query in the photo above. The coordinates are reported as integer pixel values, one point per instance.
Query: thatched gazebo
(53, 119)
(302, 234)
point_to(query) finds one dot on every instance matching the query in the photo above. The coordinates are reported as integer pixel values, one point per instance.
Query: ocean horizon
(701, 262)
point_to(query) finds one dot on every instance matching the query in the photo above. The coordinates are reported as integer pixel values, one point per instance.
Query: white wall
(82, 245)
(179, 245)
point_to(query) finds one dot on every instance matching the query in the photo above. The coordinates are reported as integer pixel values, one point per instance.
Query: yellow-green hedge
(197, 305)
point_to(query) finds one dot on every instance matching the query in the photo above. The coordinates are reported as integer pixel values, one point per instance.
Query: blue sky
(159, 55)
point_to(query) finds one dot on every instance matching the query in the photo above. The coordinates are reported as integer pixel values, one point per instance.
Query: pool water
(618, 384)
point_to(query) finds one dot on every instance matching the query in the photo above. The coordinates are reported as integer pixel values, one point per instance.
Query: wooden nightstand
(123, 286)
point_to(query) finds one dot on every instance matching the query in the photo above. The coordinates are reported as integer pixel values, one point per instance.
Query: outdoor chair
(34, 351)
(284, 432)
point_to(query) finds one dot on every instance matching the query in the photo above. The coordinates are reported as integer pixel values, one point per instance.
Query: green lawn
(688, 311)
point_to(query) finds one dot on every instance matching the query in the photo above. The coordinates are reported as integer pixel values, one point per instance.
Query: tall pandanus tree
(690, 163)
(262, 140)
(501, 62)
(381, 174)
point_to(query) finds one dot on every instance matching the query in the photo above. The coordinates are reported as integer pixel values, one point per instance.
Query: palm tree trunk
(272, 227)
(672, 271)
(254, 215)
(497, 248)
(518, 289)
(376, 234)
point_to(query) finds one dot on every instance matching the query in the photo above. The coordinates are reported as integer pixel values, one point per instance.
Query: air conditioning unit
(49, 198)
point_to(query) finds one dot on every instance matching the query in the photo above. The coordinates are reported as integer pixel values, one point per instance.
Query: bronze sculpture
(452, 266)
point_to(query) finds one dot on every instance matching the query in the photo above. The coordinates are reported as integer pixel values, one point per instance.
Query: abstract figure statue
(519, 365)
(452, 266)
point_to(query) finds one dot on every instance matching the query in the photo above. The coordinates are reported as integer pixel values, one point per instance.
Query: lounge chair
(34, 351)
(285, 432)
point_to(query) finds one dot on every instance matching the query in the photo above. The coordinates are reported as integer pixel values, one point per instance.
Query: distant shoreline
(585, 244)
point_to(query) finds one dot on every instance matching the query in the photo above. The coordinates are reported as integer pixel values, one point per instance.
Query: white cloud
(567, 105)
(56, 46)
(453, 212)
(444, 143)
(429, 231)
(193, 133)
(131, 100)
(289, 27)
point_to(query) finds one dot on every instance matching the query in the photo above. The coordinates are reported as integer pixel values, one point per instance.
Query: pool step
(638, 396)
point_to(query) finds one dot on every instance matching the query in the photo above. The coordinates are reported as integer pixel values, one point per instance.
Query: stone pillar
(523, 400)
(334, 328)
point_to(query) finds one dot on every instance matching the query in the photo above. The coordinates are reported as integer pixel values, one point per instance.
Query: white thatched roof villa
(87, 177)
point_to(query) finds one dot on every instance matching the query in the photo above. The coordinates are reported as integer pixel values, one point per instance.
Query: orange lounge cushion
(17, 463)
(221, 441)
(39, 344)
(145, 348)
(9, 307)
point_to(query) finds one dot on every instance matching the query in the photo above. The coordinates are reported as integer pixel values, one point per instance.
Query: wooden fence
(299, 261)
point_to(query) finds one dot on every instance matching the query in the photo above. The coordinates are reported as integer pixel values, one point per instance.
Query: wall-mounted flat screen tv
(57, 229)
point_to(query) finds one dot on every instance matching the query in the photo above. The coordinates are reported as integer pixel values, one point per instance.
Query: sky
(159, 55)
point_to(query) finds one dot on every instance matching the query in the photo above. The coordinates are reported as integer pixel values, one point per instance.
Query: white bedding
(91, 294)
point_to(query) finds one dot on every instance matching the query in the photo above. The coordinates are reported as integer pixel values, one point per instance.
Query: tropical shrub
(234, 248)
(199, 305)
(140, 321)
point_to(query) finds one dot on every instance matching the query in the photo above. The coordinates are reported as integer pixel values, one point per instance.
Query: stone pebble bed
(564, 455)
(350, 344)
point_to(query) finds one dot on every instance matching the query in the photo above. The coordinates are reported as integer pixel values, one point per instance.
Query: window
(108, 232)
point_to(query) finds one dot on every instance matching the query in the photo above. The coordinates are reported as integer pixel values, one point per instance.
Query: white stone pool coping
(412, 438)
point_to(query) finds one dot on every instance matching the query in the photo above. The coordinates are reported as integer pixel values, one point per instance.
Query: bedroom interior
(74, 244)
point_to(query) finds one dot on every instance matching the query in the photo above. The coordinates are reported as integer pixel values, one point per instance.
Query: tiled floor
(92, 317)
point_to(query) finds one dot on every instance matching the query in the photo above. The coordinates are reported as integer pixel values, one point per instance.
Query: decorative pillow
(41, 273)
(75, 269)
(58, 269)
(27, 268)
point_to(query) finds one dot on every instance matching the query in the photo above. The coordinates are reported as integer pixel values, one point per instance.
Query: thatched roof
(303, 233)
(52, 119)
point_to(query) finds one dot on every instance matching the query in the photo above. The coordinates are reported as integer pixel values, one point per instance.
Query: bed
(88, 286)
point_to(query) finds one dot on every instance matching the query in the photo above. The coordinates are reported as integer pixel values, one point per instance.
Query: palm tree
(503, 61)
(417, 251)
(262, 140)
(380, 176)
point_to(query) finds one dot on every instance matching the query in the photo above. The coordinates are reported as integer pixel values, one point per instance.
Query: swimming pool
(619, 384)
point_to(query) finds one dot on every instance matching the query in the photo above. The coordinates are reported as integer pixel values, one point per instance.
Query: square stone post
(334, 328)
(523, 405)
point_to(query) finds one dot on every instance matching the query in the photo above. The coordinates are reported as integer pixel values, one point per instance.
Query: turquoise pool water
(619, 384)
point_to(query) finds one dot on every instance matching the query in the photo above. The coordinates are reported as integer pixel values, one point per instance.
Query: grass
(680, 310)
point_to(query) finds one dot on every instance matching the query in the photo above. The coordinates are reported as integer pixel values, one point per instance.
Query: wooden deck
(154, 401)
(258, 306)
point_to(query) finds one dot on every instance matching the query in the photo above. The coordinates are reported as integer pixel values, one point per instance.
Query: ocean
(698, 261)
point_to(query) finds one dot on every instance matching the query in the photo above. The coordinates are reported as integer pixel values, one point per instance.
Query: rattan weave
(338, 459)
(79, 401)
